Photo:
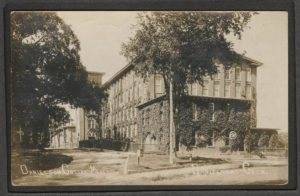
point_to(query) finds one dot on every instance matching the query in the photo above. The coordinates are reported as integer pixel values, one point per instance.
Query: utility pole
(171, 122)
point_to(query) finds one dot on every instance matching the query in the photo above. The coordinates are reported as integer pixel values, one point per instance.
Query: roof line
(96, 72)
(254, 62)
(128, 66)
(120, 72)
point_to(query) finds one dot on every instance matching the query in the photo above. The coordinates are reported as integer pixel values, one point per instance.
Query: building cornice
(128, 67)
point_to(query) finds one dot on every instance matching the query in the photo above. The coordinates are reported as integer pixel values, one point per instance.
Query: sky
(266, 40)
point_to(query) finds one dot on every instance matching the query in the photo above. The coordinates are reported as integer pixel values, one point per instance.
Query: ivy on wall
(228, 116)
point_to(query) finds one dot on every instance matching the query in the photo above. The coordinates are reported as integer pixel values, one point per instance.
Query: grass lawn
(37, 160)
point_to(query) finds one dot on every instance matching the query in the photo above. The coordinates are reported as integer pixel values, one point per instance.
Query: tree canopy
(46, 72)
(184, 46)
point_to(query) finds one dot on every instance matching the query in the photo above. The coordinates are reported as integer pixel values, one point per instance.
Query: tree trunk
(171, 122)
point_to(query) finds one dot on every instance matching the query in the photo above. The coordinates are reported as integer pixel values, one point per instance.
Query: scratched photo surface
(149, 98)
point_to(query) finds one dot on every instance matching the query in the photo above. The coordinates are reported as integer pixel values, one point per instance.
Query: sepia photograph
(148, 98)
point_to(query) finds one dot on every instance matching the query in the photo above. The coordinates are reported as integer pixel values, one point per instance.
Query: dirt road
(109, 168)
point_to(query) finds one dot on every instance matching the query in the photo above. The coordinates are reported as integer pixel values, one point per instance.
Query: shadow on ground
(36, 160)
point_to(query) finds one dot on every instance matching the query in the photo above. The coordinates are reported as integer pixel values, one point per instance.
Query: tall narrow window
(157, 86)
(91, 123)
(145, 92)
(148, 116)
(248, 91)
(227, 89)
(248, 75)
(129, 94)
(238, 74)
(143, 118)
(195, 112)
(211, 111)
(194, 89)
(135, 130)
(227, 74)
(216, 88)
(238, 90)
(205, 88)
(216, 76)
(161, 112)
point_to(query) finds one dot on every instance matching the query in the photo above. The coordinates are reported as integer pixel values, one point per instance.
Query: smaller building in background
(83, 124)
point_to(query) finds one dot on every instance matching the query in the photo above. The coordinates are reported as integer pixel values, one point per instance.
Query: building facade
(138, 109)
(83, 124)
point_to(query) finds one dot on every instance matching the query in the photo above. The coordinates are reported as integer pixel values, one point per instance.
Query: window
(248, 74)
(210, 139)
(216, 76)
(227, 74)
(91, 112)
(91, 123)
(248, 91)
(157, 86)
(141, 90)
(238, 90)
(143, 118)
(148, 116)
(135, 130)
(194, 89)
(238, 74)
(161, 112)
(211, 111)
(133, 92)
(216, 89)
(227, 89)
(205, 87)
(131, 131)
(195, 112)
(129, 94)
(145, 91)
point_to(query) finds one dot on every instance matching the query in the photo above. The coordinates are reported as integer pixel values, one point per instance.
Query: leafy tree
(263, 140)
(274, 141)
(46, 73)
(183, 47)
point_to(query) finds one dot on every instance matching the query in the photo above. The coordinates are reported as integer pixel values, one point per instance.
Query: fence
(119, 145)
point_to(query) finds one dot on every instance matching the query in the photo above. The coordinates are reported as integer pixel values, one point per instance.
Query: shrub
(224, 149)
(263, 140)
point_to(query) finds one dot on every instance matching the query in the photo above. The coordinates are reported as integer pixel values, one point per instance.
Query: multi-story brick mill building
(138, 109)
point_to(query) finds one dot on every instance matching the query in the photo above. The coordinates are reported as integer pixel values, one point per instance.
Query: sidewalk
(158, 162)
